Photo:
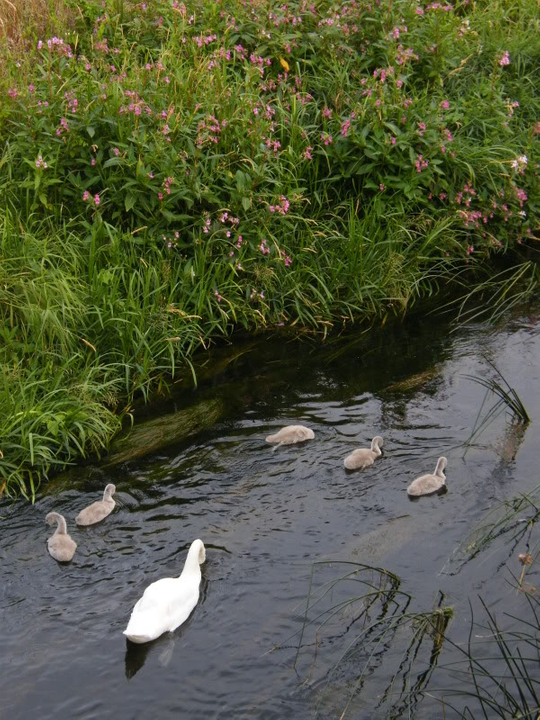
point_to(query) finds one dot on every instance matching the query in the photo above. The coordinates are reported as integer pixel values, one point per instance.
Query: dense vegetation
(172, 171)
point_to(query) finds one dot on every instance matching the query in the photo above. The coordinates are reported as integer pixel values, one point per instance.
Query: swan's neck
(439, 470)
(107, 495)
(375, 447)
(61, 527)
(192, 566)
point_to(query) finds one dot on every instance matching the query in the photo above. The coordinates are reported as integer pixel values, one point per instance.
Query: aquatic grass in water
(492, 673)
(508, 400)
(378, 616)
(499, 678)
(515, 519)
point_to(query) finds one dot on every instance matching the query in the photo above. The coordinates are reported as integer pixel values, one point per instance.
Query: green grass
(165, 180)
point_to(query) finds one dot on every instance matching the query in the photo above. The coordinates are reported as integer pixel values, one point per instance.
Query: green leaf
(246, 203)
(130, 201)
(364, 169)
(90, 130)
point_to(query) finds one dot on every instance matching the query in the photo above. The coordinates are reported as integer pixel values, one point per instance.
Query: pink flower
(93, 162)
(307, 153)
(86, 196)
(116, 151)
(445, 105)
(97, 200)
(381, 187)
(504, 59)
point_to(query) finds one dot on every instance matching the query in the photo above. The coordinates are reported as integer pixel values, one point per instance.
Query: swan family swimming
(167, 603)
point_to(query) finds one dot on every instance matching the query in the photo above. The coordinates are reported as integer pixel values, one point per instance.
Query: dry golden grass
(24, 21)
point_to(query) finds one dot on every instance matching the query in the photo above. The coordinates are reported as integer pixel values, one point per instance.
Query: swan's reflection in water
(161, 649)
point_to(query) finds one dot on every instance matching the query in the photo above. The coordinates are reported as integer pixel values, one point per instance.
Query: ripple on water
(265, 515)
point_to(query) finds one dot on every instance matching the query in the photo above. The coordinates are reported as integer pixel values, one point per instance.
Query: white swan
(364, 457)
(99, 510)
(290, 435)
(167, 603)
(61, 546)
(427, 484)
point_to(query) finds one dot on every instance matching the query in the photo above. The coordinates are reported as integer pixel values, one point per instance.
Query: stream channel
(196, 465)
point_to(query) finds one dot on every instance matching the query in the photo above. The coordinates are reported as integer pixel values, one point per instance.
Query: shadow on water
(136, 655)
(196, 465)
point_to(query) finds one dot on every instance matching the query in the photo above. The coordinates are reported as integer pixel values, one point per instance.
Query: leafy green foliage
(171, 171)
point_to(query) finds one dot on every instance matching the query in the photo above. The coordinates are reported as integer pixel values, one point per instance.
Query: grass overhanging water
(171, 172)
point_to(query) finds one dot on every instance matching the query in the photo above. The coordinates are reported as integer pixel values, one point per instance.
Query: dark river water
(266, 517)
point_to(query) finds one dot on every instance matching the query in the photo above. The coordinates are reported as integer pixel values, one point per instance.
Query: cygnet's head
(54, 517)
(376, 442)
(51, 518)
(109, 491)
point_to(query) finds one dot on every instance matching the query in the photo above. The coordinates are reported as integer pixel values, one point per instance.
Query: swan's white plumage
(364, 457)
(61, 546)
(167, 603)
(427, 484)
(99, 510)
(291, 434)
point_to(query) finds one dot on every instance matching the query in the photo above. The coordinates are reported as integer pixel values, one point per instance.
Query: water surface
(265, 516)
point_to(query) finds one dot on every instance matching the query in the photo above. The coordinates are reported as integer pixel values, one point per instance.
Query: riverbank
(171, 173)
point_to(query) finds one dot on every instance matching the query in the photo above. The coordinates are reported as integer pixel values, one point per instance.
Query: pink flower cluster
(281, 207)
(263, 247)
(63, 127)
(201, 40)
(209, 130)
(72, 102)
(40, 163)
(519, 164)
(166, 186)
(504, 59)
(136, 106)
(421, 164)
(88, 197)
(57, 45)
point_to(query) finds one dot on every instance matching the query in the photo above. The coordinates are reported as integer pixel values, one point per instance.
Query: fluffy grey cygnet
(99, 510)
(61, 546)
(364, 457)
(427, 484)
(291, 434)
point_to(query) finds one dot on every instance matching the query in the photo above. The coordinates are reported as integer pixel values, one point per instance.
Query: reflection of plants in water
(501, 680)
(515, 518)
(379, 613)
(508, 400)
